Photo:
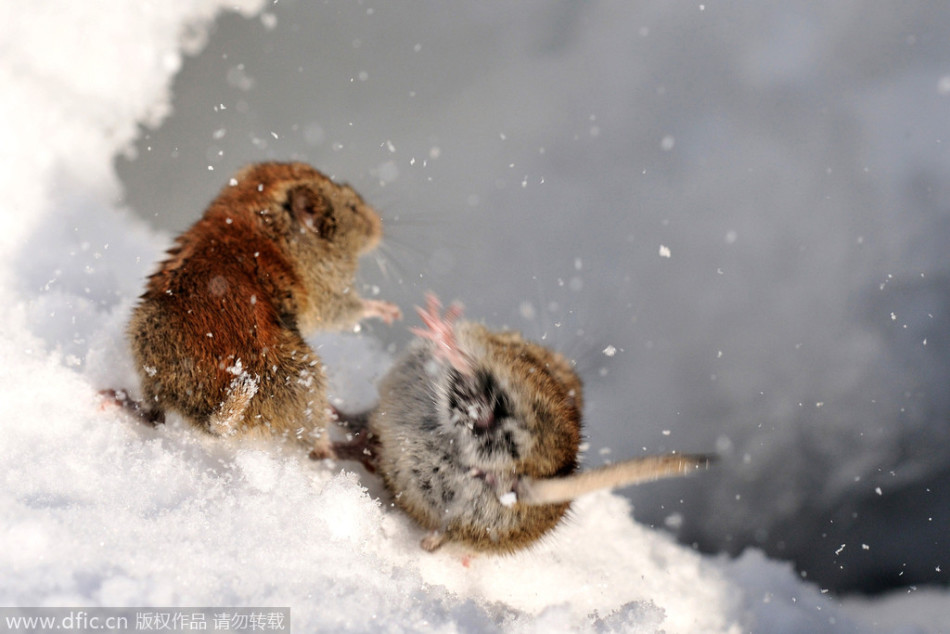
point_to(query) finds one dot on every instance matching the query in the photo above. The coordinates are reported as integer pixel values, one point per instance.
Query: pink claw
(440, 329)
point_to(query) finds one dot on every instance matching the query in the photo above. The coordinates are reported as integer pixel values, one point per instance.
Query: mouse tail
(536, 492)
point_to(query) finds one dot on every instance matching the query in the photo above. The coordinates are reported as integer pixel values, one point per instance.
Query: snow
(96, 509)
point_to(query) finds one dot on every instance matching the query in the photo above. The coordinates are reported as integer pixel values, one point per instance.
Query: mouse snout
(482, 416)
(477, 403)
(372, 228)
(470, 404)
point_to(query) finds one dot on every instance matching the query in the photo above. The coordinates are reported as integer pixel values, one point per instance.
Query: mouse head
(519, 409)
(294, 201)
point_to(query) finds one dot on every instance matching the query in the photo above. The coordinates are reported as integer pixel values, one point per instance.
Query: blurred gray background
(744, 204)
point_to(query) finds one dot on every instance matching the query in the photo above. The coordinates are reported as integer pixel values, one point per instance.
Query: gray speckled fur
(422, 459)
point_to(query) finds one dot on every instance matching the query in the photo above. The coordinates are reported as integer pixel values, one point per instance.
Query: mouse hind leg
(151, 416)
(291, 396)
(360, 444)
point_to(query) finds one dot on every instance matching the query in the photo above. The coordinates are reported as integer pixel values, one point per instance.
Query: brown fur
(218, 334)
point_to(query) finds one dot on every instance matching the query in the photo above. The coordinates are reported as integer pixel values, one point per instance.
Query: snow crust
(95, 509)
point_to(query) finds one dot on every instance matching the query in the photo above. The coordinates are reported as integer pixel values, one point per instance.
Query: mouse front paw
(386, 311)
(440, 329)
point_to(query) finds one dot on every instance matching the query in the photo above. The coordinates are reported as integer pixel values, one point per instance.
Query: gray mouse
(476, 436)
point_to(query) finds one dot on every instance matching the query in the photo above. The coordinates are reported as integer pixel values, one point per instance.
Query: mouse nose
(475, 403)
(484, 422)
(479, 414)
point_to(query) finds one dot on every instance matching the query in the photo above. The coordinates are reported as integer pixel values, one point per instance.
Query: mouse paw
(432, 541)
(322, 453)
(121, 399)
(386, 311)
(440, 329)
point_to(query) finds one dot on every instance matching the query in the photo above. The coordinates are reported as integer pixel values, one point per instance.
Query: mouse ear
(313, 210)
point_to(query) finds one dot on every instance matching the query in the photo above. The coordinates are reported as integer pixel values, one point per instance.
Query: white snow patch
(97, 509)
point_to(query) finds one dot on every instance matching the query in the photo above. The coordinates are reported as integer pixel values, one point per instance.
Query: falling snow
(99, 510)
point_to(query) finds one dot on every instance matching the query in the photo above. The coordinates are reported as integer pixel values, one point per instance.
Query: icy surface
(96, 509)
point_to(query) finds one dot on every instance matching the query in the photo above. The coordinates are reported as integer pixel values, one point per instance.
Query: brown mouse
(476, 436)
(218, 335)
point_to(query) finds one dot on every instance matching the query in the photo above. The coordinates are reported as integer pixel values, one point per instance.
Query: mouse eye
(502, 407)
